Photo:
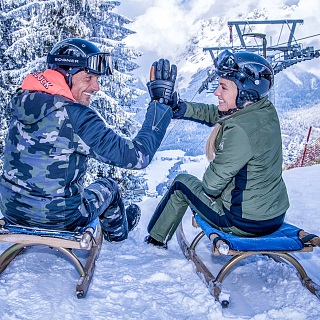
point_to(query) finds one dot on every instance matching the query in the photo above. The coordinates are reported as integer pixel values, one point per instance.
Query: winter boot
(133, 213)
(148, 239)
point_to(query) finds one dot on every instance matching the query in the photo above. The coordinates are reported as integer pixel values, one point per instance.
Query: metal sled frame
(214, 284)
(89, 239)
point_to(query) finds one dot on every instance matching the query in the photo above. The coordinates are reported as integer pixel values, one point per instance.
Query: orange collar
(50, 81)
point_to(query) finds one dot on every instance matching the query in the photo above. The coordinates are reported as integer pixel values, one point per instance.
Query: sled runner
(278, 246)
(87, 238)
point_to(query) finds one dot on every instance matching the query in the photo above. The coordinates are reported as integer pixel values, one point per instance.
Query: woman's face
(226, 92)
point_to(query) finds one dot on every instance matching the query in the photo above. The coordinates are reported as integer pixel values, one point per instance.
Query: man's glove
(162, 79)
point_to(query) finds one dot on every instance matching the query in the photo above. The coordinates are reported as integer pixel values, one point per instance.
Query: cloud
(163, 28)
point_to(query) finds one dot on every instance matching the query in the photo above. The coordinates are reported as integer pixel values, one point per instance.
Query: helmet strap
(68, 74)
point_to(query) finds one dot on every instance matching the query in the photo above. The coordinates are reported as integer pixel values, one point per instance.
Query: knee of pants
(102, 194)
(107, 187)
(188, 180)
(184, 184)
(181, 177)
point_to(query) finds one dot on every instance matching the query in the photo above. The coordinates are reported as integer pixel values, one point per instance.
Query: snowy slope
(138, 281)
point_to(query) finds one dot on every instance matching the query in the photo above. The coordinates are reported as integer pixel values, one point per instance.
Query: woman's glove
(178, 106)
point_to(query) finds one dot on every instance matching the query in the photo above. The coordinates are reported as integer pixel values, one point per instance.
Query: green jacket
(246, 172)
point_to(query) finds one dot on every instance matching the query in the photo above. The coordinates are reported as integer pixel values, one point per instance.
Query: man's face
(83, 86)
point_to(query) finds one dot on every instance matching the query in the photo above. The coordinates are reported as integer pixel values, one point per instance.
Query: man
(52, 134)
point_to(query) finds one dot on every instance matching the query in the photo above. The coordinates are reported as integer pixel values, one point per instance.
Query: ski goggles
(225, 63)
(100, 63)
(227, 67)
(97, 63)
(233, 67)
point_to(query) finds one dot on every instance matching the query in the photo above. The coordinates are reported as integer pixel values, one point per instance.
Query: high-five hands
(162, 80)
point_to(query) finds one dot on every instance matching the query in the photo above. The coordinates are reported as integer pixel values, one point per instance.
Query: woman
(242, 191)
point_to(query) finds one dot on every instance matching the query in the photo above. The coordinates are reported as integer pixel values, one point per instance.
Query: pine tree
(28, 31)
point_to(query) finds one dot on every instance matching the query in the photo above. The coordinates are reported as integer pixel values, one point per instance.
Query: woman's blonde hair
(210, 146)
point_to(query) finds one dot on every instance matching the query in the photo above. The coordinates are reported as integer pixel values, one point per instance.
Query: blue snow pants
(102, 199)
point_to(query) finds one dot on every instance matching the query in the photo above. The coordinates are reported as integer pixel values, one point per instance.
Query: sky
(137, 281)
(163, 28)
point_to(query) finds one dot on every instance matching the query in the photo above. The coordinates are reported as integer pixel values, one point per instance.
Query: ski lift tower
(280, 56)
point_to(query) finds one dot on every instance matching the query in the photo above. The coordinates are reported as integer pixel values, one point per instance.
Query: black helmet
(252, 74)
(74, 55)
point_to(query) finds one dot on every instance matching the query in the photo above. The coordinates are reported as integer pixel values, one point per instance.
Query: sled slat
(90, 239)
(241, 248)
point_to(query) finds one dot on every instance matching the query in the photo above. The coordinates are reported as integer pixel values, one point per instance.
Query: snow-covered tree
(28, 31)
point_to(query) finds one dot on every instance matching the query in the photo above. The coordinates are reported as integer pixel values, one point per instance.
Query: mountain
(295, 93)
(296, 88)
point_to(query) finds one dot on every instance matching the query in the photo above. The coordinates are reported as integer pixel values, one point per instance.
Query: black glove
(162, 79)
(178, 106)
(174, 102)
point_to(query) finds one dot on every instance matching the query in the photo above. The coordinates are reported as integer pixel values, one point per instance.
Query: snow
(134, 280)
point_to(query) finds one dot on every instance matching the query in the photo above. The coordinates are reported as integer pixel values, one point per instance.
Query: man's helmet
(74, 55)
(252, 74)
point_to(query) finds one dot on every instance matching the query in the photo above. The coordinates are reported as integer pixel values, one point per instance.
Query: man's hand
(162, 80)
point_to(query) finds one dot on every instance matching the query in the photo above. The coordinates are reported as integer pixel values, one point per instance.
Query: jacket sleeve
(233, 153)
(202, 113)
(103, 144)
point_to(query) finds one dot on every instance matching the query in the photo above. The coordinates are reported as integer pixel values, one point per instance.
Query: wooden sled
(88, 238)
(278, 246)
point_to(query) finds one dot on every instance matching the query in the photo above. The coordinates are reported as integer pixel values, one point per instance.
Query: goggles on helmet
(225, 61)
(225, 65)
(238, 68)
(97, 63)
(100, 63)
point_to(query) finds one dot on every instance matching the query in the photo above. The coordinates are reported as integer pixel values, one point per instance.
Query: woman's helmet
(252, 74)
(74, 55)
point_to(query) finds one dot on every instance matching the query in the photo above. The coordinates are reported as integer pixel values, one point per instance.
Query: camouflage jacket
(47, 147)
